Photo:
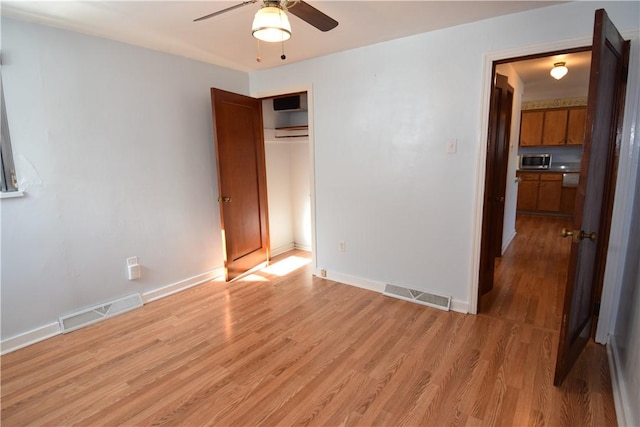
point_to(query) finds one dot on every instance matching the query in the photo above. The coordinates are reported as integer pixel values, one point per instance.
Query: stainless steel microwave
(535, 161)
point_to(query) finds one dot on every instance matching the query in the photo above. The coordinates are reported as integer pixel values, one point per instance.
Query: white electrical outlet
(341, 246)
(134, 270)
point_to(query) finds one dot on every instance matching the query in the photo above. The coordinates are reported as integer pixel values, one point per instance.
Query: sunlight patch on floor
(286, 266)
(253, 278)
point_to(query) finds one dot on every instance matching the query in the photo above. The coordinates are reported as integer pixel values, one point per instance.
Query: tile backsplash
(570, 154)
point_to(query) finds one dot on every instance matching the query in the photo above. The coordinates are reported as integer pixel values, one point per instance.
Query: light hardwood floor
(296, 350)
(530, 277)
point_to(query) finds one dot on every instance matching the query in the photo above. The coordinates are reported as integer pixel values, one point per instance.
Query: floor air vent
(419, 297)
(91, 315)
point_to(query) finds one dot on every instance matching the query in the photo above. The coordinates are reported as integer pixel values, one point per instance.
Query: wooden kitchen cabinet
(575, 126)
(568, 200)
(554, 130)
(528, 191)
(549, 192)
(531, 128)
(553, 127)
(542, 193)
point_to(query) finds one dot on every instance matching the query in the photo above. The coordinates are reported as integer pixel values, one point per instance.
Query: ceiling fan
(271, 23)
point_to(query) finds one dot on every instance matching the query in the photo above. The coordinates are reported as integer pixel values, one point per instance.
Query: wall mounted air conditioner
(297, 102)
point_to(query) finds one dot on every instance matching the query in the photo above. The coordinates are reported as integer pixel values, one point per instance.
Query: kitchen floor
(530, 277)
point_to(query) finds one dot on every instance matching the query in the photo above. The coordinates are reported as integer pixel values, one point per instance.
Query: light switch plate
(452, 146)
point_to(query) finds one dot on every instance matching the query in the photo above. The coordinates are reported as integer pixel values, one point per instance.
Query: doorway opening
(528, 273)
(239, 134)
(595, 192)
(288, 169)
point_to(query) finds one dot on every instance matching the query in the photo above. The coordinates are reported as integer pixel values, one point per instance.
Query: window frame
(8, 179)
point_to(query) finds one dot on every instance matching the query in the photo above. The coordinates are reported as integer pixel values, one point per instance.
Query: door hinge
(597, 308)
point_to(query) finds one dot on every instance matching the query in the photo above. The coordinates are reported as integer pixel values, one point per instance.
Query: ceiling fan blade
(220, 12)
(312, 16)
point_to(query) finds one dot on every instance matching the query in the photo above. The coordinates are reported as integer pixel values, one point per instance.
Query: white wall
(278, 167)
(301, 195)
(383, 181)
(511, 194)
(113, 145)
(278, 163)
(626, 335)
(288, 192)
(623, 334)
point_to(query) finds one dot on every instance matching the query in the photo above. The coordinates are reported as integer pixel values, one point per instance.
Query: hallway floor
(530, 278)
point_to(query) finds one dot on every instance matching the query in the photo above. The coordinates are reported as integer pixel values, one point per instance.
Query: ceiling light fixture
(559, 70)
(271, 24)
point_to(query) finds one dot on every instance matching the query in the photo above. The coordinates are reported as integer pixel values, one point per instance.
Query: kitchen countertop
(550, 170)
(570, 173)
(568, 167)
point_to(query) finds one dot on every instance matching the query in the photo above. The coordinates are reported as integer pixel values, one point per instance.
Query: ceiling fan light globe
(559, 70)
(271, 35)
(271, 24)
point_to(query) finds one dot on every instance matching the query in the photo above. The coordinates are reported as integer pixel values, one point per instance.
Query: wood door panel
(575, 126)
(549, 195)
(594, 199)
(554, 131)
(531, 128)
(568, 200)
(240, 183)
(551, 176)
(499, 131)
(527, 195)
(237, 121)
(529, 176)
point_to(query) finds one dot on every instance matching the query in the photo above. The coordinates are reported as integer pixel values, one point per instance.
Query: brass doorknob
(578, 235)
(224, 199)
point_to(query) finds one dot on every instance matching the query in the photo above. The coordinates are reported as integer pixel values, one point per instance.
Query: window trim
(8, 179)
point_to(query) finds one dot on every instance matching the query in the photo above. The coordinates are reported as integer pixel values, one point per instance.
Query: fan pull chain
(259, 57)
